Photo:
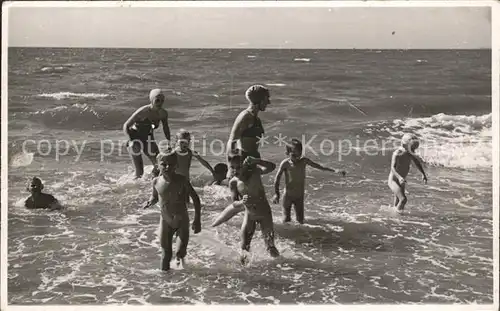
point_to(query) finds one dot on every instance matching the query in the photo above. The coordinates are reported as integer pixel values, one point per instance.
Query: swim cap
(256, 93)
(154, 93)
(410, 140)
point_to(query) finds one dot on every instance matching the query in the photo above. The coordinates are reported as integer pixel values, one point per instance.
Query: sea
(349, 107)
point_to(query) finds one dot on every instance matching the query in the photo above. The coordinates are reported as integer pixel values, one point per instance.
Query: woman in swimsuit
(140, 127)
(247, 128)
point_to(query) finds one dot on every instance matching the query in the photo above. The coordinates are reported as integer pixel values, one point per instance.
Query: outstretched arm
(203, 162)
(321, 167)
(265, 167)
(419, 167)
(154, 196)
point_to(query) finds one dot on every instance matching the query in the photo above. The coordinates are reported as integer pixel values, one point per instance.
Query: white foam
(22, 159)
(456, 141)
(276, 84)
(64, 95)
(302, 60)
(51, 69)
(80, 107)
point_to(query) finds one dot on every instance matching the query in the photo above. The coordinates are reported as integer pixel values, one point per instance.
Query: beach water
(66, 111)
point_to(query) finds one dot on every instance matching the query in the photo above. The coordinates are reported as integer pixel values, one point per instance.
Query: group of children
(172, 187)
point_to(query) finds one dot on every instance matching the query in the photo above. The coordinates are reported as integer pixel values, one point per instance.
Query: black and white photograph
(249, 153)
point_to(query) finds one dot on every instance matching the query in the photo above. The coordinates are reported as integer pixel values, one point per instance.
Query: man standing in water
(247, 128)
(139, 128)
(171, 190)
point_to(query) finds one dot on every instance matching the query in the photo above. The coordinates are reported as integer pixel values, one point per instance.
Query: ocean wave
(302, 60)
(21, 159)
(275, 84)
(80, 116)
(78, 107)
(64, 95)
(54, 69)
(455, 141)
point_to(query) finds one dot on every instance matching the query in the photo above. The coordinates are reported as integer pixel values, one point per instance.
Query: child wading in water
(294, 168)
(249, 195)
(170, 190)
(400, 166)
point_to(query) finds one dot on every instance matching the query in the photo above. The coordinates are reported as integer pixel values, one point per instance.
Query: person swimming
(294, 168)
(140, 127)
(38, 199)
(247, 130)
(170, 190)
(400, 166)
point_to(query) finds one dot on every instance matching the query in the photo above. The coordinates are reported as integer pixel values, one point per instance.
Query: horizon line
(246, 48)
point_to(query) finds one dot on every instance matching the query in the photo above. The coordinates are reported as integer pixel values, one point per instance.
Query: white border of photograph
(270, 4)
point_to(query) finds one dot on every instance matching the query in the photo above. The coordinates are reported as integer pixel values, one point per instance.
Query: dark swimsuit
(255, 131)
(44, 200)
(141, 134)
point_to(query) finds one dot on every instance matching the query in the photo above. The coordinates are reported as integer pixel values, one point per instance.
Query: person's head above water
(35, 185)
(259, 96)
(183, 139)
(156, 98)
(410, 142)
(220, 172)
(167, 161)
(294, 149)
